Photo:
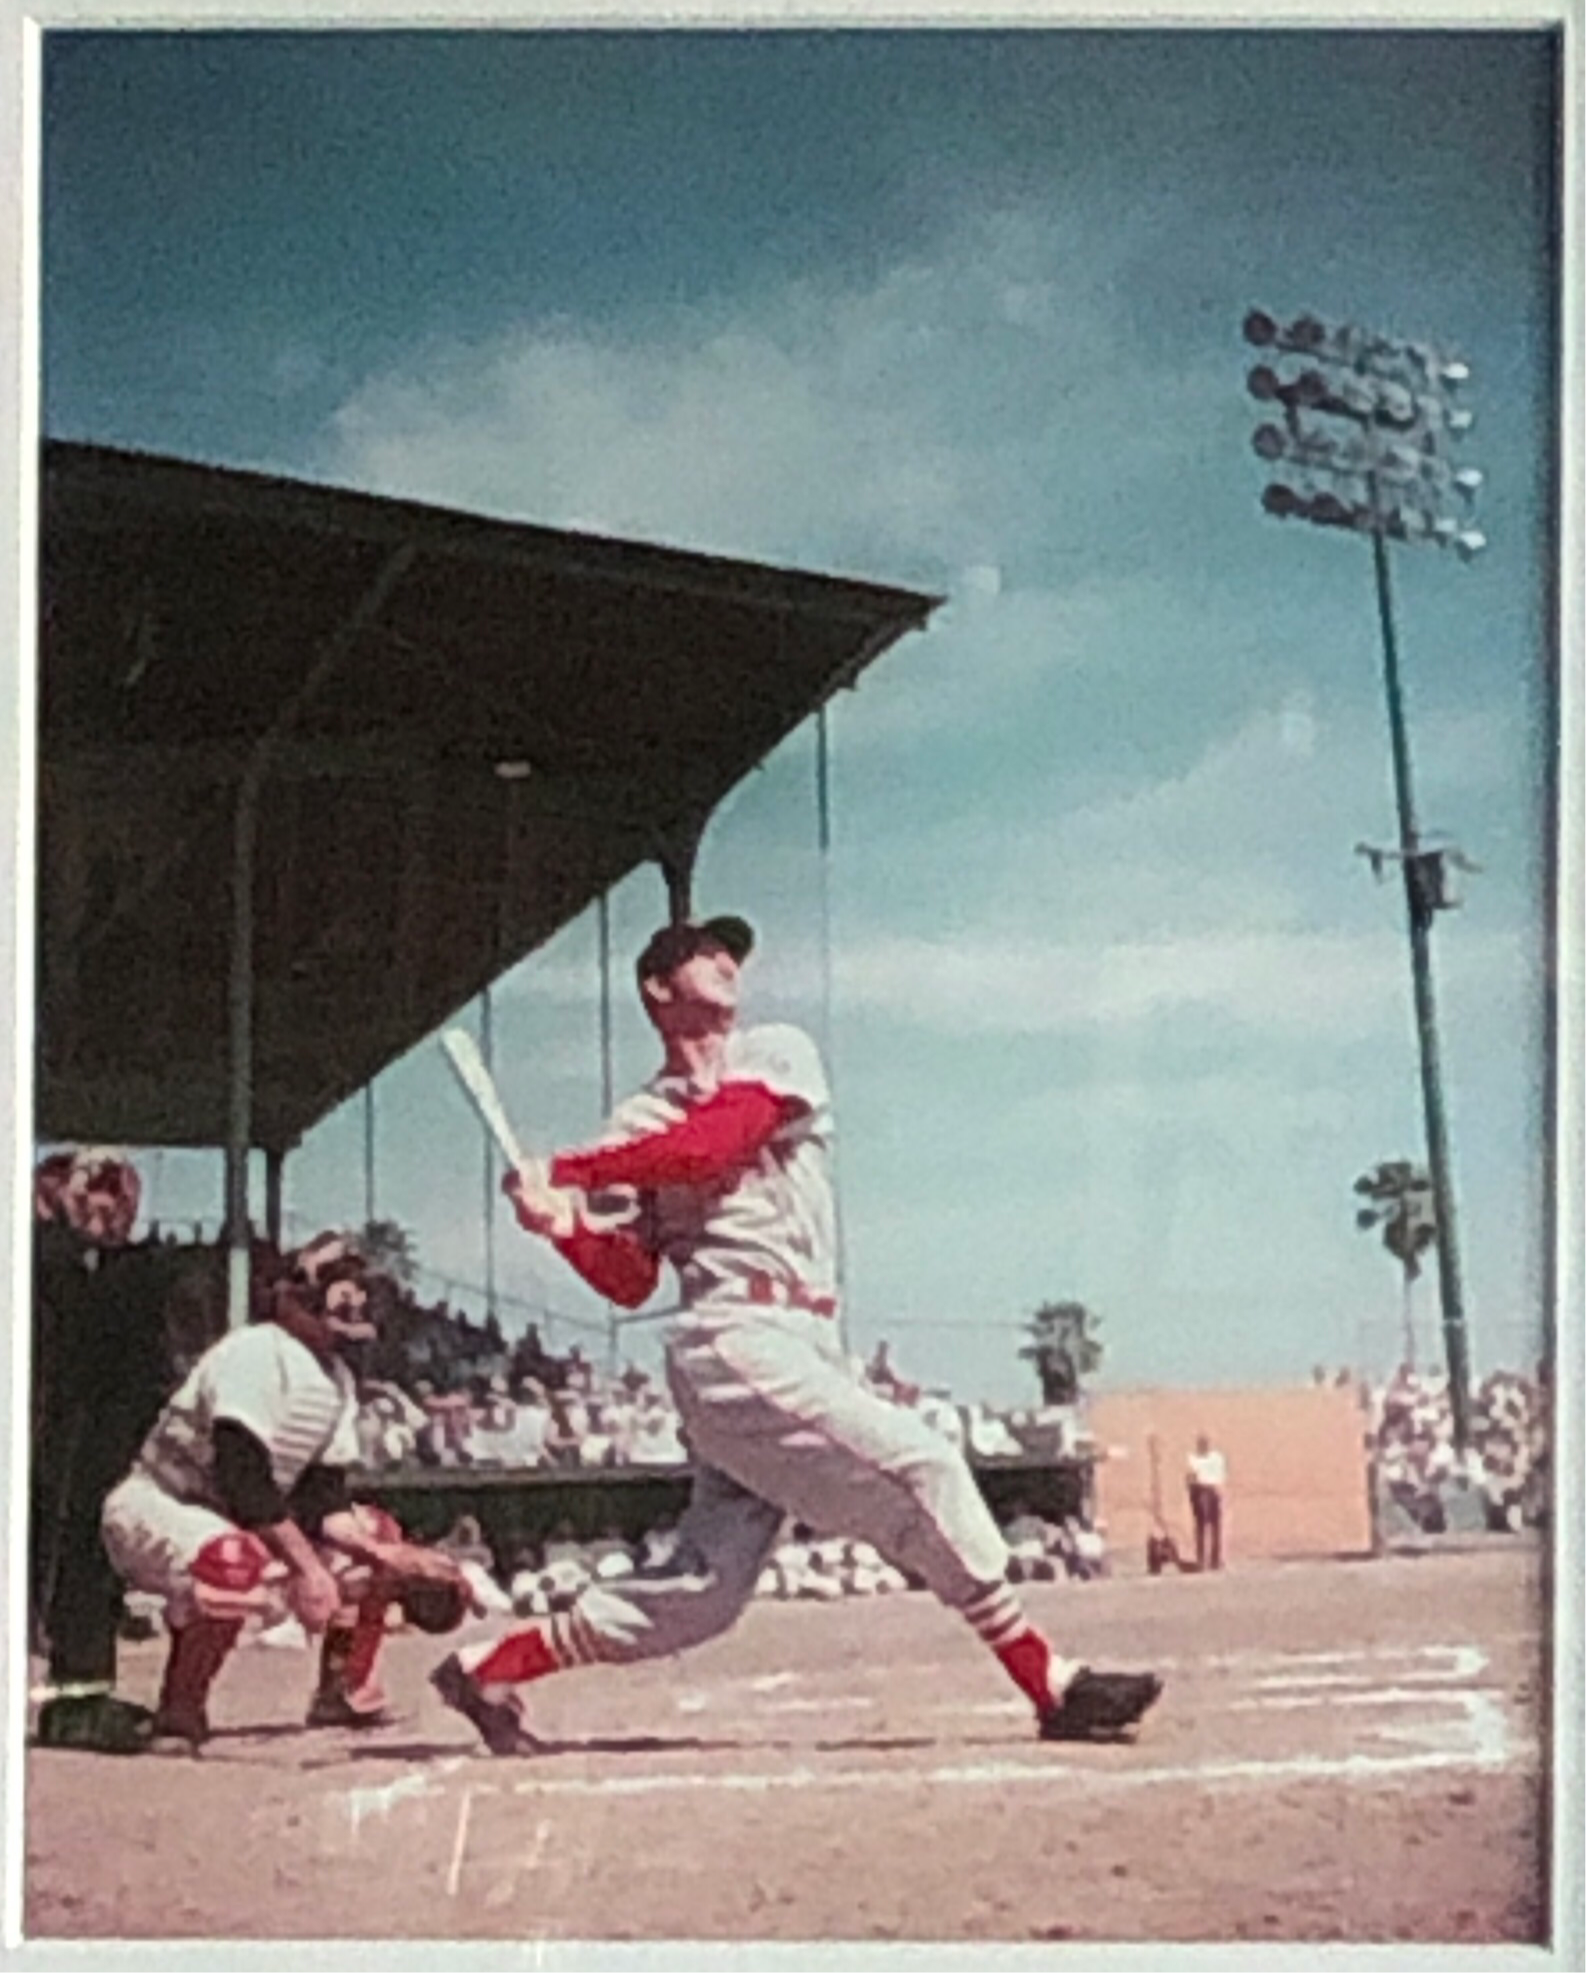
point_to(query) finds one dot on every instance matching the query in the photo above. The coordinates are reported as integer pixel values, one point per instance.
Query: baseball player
(722, 1164)
(237, 1503)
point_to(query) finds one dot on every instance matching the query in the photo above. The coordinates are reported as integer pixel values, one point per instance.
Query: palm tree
(1064, 1348)
(1400, 1196)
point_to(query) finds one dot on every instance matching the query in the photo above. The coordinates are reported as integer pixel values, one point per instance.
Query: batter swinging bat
(479, 1086)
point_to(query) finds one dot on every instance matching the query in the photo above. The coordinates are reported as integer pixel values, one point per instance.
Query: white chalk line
(1492, 1752)
(1456, 1663)
(459, 1842)
(1463, 1661)
(362, 1803)
(1287, 1668)
(1364, 1768)
(1384, 1695)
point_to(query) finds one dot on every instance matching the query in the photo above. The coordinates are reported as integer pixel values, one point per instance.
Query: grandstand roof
(463, 731)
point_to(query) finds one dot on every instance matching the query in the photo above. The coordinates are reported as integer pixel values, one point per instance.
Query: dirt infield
(1344, 1751)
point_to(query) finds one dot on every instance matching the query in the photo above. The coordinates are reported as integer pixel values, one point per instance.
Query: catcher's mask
(327, 1280)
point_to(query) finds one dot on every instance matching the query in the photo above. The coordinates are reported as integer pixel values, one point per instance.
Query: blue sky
(1116, 1012)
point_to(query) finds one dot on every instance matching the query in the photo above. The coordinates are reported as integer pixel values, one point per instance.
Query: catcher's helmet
(327, 1280)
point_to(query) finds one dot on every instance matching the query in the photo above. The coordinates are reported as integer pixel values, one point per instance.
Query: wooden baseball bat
(479, 1086)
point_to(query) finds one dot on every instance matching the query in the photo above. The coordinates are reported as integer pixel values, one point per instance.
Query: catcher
(237, 1505)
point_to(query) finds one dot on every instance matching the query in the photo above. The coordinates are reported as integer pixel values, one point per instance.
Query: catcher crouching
(237, 1508)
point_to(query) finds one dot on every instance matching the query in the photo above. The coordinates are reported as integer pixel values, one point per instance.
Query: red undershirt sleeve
(616, 1264)
(717, 1138)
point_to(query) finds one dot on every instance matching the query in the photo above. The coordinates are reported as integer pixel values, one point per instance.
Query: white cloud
(1287, 985)
(897, 421)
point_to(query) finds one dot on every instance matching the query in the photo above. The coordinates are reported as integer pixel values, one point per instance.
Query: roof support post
(274, 1174)
(677, 854)
(240, 983)
(487, 1218)
(823, 845)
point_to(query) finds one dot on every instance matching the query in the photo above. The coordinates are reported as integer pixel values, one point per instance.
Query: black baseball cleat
(336, 1709)
(95, 1723)
(189, 1724)
(1100, 1705)
(499, 1722)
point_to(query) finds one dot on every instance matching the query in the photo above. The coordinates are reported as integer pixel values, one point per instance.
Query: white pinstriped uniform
(304, 1412)
(776, 1219)
(776, 1421)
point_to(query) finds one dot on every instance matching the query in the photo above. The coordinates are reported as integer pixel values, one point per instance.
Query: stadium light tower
(1364, 428)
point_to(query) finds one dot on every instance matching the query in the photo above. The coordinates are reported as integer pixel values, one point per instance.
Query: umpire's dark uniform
(101, 1372)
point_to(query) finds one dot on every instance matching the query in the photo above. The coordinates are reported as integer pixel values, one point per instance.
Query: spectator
(595, 1445)
(493, 1432)
(562, 1438)
(531, 1425)
(1206, 1478)
(466, 1542)
(579, 1372)
(656, 1437)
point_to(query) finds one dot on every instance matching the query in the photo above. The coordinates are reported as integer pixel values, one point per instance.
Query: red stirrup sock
(533, 1652)
(998, 1617)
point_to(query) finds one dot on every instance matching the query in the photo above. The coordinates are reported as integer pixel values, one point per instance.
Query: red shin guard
(197, 1653)
(347, 1656)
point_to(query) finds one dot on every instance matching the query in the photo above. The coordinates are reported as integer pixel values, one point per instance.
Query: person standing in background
(1207, 1478)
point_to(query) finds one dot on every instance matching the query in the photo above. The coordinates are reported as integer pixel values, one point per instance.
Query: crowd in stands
(1420, 1473)
(510, 1421)
(538, 1410)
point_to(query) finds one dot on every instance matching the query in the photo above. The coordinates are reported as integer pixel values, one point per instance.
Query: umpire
(101, 1371)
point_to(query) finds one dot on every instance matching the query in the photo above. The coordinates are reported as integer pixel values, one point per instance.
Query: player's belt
(768, 1291)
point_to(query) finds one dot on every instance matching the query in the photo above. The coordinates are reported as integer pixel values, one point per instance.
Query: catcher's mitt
(427, 1586)
(435, 1605)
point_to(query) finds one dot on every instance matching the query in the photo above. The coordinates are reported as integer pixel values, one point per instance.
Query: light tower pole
(1366, 425)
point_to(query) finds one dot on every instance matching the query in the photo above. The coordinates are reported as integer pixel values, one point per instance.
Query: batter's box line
(1367, 1769)
(1421, 1694)
(1319, 1667)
